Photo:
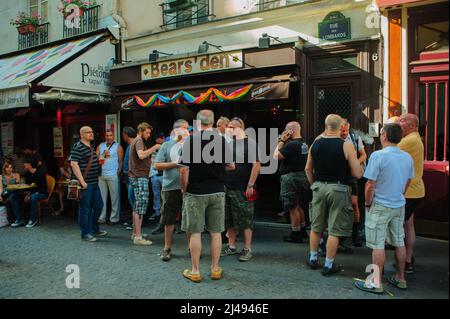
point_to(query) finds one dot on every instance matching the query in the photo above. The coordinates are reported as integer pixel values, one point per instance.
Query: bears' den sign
(192, 65)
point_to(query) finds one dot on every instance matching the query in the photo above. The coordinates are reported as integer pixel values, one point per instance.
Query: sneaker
(158, 230)
(31, 224)
(153, 217)
(89, 238)
(362, 286)
(143, 236)
(141, 241)
(128, 223)
(313, 264)
(101, 221)
(101, 233)
(342, 249)
(129, 227)
(228, 251)
(246, 255)
(397, 283)
(217, 274)
(187, 273)
(166, 255)
(294, 237)
(331, 271)
(17, 223)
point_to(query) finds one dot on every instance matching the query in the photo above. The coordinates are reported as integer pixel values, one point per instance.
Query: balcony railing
(31, 39)
(263, 5)
(184, 13)
(88, 22)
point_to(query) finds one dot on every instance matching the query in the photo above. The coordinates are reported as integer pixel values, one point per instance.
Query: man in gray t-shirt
(171, 197)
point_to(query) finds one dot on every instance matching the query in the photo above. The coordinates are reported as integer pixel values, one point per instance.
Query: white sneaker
(143, 236)
(31, 224)
(17, 223)
(141, 241)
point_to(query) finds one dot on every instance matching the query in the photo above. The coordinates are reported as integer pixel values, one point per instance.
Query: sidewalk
(33, 265)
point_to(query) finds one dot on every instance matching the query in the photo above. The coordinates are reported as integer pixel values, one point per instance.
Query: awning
(19, 72)
(388, 3)
(272, 88)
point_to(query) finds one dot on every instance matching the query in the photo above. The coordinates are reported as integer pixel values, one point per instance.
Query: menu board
(58, 150)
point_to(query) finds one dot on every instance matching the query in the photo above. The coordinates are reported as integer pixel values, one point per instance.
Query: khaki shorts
(331, 205)
(171, 202)
(206, 212)
(238, 210)
(384, 224)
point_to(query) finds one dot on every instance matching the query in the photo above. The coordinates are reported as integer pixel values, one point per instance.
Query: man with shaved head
(412, 144)
(86, 168)
(330, 166)
(293, 152)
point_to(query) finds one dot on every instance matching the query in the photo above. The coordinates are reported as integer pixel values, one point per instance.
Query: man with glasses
(86, 168)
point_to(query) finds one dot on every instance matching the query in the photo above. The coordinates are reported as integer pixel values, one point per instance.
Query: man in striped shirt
(91, 204)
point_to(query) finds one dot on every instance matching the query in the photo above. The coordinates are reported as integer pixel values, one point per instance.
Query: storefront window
(432, 37)
(334, 64)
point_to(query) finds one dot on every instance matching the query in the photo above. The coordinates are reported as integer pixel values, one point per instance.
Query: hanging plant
(27, 23)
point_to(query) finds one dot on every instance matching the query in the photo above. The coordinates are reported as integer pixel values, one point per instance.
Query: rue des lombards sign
(335, 27)
(192, 65)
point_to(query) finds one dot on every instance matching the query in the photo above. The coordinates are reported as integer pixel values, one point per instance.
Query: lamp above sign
(192, 65)
(335, 27)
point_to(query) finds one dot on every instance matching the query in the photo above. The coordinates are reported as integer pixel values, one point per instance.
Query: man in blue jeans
(86, 168)
(33, 175)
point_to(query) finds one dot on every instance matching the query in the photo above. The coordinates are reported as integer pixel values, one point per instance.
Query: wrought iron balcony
(31, 38)
(184, 13)
(87, 22)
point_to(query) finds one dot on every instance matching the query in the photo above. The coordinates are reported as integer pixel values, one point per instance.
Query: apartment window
(39, 7)
(183, 13)
(263, 5)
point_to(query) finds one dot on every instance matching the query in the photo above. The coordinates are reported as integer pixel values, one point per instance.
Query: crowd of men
(212, 189)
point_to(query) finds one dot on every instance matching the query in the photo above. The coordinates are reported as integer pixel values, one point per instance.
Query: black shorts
(354, 185)
(410, 207)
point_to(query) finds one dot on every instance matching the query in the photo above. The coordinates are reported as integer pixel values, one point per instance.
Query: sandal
(216, 275)
(187, 273)
(397, 283)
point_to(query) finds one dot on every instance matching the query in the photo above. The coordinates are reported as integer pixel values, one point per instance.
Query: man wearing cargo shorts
(293, 153)
(167, 161)
(330, 166)
(388, 174)
(240, 187)
(205, 157)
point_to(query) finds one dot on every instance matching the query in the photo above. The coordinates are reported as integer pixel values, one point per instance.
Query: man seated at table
(33, 175)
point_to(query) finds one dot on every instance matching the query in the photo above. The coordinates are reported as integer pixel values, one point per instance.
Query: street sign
(335, 27)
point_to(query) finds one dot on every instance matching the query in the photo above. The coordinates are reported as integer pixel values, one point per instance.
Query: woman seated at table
(65, 173)
(33, 175)
(8, 177)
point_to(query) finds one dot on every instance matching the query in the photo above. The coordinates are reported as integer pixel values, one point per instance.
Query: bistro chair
(45, 203)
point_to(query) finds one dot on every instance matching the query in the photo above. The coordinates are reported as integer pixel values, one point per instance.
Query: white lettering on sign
(198, 64)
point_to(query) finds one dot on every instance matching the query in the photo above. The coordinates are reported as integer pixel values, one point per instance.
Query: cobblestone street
(33, 265)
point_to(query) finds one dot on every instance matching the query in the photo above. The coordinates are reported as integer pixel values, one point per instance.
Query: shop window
(433, 111)
(183, 13)
(432, 37)
(39, 7)
(334, 64)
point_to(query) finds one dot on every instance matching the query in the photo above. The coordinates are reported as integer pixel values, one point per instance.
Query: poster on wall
(7, 137)
(111, 122)
(58, 151)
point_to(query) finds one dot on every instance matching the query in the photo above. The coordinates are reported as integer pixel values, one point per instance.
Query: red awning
(388, 3)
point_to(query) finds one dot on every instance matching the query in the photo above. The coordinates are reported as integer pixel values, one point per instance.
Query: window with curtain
(39, 7)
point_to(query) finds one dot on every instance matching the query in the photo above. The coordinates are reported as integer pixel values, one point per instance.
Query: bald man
(292, 151)
(412, 144)
(330, 166)
(86, 168)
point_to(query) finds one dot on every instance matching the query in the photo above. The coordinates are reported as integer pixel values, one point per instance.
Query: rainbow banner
(201, 99)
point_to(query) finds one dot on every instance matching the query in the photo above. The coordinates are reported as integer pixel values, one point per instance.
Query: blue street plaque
(335, 27)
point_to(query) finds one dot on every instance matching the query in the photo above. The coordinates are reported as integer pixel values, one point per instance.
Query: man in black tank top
(330, 167)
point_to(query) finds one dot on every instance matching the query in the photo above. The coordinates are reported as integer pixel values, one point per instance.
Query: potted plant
(69, 5)
(26, 23)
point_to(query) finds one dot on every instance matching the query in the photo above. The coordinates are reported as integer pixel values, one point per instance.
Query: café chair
(45, 203)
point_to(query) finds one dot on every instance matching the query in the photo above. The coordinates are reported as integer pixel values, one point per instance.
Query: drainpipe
(118, 18)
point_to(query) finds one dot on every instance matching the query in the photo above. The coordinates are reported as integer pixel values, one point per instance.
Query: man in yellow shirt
(412, 144)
